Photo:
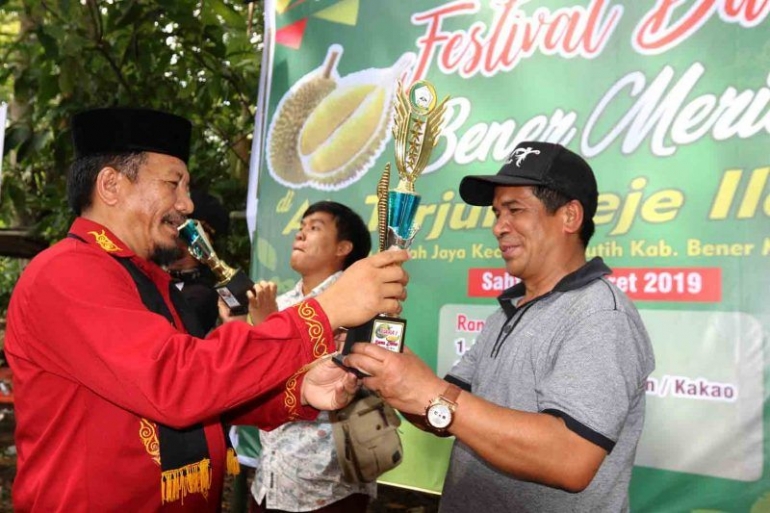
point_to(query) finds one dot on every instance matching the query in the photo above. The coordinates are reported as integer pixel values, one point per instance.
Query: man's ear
(344, 247)
(108, 182)
(572, 216)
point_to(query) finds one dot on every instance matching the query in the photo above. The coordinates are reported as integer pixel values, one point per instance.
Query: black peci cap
(121, 129)
(538, 163)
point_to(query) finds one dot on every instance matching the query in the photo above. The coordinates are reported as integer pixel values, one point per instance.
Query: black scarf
(184, 454)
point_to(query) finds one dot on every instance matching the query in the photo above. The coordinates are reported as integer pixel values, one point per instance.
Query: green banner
(669, 103)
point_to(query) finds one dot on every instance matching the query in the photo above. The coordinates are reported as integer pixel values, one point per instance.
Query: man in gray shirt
(547, 407)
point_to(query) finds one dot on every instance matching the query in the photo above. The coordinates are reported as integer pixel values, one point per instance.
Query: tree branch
(100, 45)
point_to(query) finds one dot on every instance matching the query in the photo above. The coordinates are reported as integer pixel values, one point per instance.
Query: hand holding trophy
(417, 124)
(233, 284)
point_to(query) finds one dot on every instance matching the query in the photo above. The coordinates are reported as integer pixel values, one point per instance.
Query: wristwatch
(441, 411)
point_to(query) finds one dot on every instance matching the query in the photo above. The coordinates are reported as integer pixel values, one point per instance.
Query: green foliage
(193, 58)
(10, 269)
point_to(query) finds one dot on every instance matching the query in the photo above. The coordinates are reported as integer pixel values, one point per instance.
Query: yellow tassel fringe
(233, 465)
(193, 478)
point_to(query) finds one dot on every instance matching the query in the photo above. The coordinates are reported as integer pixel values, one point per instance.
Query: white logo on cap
(520, 154)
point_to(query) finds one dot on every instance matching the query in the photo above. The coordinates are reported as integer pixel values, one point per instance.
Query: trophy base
(384, 331)
(233, 292)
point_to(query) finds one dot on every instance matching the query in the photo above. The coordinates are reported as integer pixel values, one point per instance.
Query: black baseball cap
(124, 129)
(537, 163)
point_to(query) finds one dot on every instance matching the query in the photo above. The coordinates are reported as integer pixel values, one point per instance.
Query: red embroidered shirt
(94, 370)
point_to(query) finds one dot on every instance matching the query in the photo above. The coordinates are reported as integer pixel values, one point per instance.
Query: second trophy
(417, 124)
(233, 284)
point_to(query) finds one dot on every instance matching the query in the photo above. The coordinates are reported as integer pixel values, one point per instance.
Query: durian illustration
(328, 131)
(349, 128)
(291, 114)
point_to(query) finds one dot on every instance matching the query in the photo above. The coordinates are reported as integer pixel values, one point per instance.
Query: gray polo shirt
(579, 352)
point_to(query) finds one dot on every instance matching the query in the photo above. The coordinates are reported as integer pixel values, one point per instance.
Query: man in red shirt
(119, 402)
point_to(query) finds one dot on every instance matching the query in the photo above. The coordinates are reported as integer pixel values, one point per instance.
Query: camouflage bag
(366, 437)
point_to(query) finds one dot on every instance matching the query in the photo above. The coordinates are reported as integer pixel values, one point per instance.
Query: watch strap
(449, 398)
(451, 393)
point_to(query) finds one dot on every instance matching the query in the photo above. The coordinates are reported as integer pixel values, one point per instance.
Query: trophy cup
(233, 283)
(417, 124)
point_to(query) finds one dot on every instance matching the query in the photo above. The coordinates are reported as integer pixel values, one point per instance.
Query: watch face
(439, 416)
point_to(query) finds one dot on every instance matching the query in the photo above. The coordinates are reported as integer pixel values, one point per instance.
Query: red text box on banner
(489, 281)
(699, 284)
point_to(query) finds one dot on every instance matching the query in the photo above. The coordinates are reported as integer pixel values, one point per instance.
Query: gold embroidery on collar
(148, 432)
(105, 242)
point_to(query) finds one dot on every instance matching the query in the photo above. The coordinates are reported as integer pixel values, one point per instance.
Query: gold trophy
(233, 284)
(417, 124)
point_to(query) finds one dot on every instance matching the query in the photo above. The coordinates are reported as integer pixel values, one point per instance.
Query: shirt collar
(319, 288)
(590, 271)
(97, 235)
